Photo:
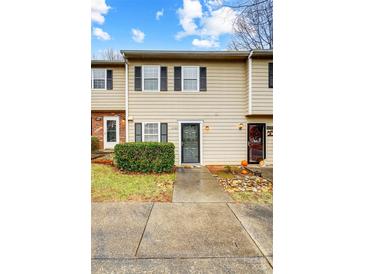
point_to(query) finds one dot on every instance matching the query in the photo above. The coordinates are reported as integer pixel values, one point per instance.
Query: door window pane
(190, 143)
(256, 143)
(111, 133)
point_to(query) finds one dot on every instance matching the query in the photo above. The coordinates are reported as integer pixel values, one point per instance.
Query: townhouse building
(215, 106)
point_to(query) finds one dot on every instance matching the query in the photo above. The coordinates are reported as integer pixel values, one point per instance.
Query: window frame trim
(92, 79)
(158, 130)
(197, 79)
(158, 79)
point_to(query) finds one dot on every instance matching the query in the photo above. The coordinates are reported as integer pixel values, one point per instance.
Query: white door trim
(110, 145)
(200, 122)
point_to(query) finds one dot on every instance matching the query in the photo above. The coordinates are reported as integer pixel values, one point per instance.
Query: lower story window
(151, 132)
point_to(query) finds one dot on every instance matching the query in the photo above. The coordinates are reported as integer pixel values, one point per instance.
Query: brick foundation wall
(97, 125)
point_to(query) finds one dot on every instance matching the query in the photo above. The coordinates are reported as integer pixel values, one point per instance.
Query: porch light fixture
(240, 126)
(206, 127)
(98, 118)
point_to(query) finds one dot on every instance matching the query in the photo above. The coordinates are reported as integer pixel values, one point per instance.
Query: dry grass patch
(108, 184)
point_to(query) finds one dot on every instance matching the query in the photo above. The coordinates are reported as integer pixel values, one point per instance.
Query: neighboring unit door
(256, 143)
(190, 143)
(111, 132)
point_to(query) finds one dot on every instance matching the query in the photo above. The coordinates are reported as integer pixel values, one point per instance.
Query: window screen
(98, 78)
(190, 81)
(151, 132)
(150, 77)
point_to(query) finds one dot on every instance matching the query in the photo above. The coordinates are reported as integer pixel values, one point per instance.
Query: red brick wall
(97, 125)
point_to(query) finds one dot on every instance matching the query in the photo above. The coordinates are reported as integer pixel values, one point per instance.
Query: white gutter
(250, 82)
(126, 98)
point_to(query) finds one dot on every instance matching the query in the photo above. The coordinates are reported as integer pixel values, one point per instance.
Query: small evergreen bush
(94, 143)
(145, 157)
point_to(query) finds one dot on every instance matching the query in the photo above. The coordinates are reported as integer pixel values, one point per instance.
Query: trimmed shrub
(94, 143)
(145, 157)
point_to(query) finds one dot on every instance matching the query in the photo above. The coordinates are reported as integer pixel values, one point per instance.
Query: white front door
(111, 131)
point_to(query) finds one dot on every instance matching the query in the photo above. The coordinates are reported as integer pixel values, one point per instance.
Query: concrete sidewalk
(181, 238)
(199, 186)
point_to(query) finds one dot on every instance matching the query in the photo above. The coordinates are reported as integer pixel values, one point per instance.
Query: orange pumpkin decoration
(262, 163)
(244, 172)
(244, 163)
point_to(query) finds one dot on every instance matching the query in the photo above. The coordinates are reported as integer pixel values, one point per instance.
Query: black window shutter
(203, 78)
(109, 79)
(138, 132)
(163, 79)
(138, 78)
(177, 78)
(163, 133)
(271, 79)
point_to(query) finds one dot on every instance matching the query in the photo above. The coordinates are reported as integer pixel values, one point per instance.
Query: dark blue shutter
(271, 79)
(203, 78)
(177, 78)
(109, 79)
(163, 79)
(138, 132)
(138, 78)
(163, 133)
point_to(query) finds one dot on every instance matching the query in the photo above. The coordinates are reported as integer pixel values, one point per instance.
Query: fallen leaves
(246, 184)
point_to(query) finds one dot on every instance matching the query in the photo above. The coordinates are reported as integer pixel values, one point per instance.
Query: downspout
(250, 82)
(126, 98)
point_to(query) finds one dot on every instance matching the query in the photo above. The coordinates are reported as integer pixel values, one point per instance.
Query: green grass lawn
(110, 185)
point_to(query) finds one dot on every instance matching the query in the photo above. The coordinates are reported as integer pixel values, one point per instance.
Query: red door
(256, 143)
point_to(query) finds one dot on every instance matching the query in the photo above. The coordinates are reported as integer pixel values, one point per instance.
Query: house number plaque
(269, 131)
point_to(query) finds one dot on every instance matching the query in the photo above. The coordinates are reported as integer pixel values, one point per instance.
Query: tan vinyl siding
(110, 99)
(262, 95)
(221, 108)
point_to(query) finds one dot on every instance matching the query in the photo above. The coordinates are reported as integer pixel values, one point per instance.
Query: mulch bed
(104, 158)
(247, 183)
(103, 161)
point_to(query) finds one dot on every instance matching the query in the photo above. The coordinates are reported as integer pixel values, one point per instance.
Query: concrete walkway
(181, 238)
(199, 186)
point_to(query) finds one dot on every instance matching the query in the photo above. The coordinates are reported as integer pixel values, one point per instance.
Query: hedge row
(145, 157)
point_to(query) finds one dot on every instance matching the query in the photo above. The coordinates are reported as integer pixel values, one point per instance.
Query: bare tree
(108, 54)
(253, 27)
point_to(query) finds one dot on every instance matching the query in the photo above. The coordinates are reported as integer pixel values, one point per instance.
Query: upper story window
(190, 78)
(98, 78)
(151, 78)
(271, 79)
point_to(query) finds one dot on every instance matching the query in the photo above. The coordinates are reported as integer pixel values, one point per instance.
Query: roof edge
(184, 54)
(194, 54)
(107, 62)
